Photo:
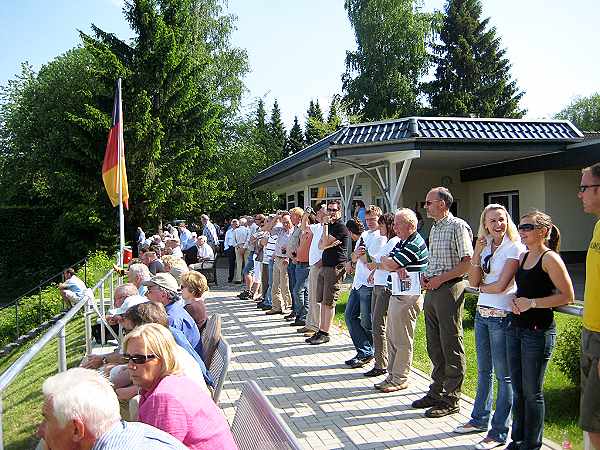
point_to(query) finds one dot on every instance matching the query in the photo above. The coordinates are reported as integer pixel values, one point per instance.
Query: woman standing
(381, 295)
(542, 284)
(493, 266)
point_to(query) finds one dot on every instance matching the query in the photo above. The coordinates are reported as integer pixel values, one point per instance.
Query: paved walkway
(326, 404)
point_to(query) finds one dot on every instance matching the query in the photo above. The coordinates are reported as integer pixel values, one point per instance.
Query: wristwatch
(533, 303)
(104, 360)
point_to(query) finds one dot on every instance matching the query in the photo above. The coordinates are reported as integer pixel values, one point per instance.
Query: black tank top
(534, 283)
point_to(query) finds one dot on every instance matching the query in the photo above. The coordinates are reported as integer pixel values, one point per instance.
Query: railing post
(88, 328)
(112, 289)
(85, 271)
(102, 330)
(62, 350)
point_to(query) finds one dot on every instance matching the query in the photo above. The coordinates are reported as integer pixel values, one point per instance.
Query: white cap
(129, 302)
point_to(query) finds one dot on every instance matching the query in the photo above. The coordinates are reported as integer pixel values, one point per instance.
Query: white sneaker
(487, 443)
(468, 428)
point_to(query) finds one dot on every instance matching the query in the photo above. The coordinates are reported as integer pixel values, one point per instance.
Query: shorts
(249, 266)
(589, 413)
(329, 284)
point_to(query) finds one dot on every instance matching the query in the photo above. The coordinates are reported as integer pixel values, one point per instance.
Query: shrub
(470, 305)
(568, 351)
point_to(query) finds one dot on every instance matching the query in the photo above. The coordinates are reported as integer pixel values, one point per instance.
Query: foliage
(36, 309)
(584, 112)
(181, 87)
(277, 133)
(567, 353)
(382, 78)
(295, 141)
(314, 129)
(473, 73)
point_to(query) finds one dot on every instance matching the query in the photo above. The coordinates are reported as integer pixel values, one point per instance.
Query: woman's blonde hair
(543, 220)
(511, 228)
(195, 282)
(158, 341)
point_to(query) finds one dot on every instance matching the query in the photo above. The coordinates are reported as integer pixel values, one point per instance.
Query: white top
(176, 251)
(507, 250)
(251, 230)
(411, 285)
(76, 285)
(205, 252)
(314, 253)
(270, 248)
(190, 367)
(373, 242)
(229, 238)
(241, 234)
(381, 275)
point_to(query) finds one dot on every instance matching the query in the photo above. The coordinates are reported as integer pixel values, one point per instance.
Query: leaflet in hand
(406, 286)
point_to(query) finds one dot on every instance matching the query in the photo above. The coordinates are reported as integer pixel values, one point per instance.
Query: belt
(486, 311)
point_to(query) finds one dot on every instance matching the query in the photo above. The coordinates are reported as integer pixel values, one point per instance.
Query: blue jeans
(249, 266)
(490, 343)
(300, 291)
(528, 354)
(268, 299)
(291, 270)
(358, 320)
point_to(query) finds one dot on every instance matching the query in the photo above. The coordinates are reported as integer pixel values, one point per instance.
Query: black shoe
(441, 410)
(265, 307)
(351, 361)
(361, 362)
(319, 339)
(425, 402)
(290, 316)
(374, 372)
(298, 323)
(244, 295)
(230, 281)
(314, 336)
(260, 305)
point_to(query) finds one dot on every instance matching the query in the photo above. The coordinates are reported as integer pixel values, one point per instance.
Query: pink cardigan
(178, 406)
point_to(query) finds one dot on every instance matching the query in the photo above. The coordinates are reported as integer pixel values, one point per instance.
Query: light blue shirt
(136, 436)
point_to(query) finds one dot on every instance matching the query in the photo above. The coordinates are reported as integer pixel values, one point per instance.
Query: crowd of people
(292, 263)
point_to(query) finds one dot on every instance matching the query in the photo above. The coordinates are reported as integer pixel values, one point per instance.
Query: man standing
(296, 216)
(241, 235)
(73, 288)
(280, 291)
(229, 248)
(589, 417)
(451, 248)
(358, 309)
(410, 256)
(210, 232)
(334, 245)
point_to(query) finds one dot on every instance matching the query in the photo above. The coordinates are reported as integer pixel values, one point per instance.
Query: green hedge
(568, 350)
(36, 309)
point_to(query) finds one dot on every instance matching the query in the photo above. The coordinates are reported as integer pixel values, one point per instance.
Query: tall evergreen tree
(314, 129)
(277, 133)
(334, 121)
(383, 75)
(473, 73)
(295, 142)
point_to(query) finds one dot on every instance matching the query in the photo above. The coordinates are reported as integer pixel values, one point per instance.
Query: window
(508, 199)
(290, 202)
(281, 201)
(300, 197)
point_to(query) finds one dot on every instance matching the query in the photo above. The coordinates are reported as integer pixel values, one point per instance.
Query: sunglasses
(138, 359)
(485, 264)
(527, 227)
(584, 187)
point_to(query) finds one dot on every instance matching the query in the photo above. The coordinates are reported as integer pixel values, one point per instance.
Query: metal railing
(58, 329)
(575, 309)
(37, 290)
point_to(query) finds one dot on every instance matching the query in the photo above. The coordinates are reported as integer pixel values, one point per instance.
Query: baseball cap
(129, 302)
(164, 280)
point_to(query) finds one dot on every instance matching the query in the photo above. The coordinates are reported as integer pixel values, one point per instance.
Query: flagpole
(120, 179)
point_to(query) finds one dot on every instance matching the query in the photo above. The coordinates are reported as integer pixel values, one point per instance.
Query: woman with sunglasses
(170, 400)
(543, 283)
(493, 266)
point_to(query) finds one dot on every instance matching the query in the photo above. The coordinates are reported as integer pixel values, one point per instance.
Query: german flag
(113, 168)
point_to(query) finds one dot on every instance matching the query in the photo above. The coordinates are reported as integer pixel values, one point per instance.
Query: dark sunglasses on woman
(137, 359)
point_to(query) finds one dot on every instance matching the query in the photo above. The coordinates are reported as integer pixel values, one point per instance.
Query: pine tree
(473, 73)
(295, 142)
(334, 121)
(314, 128)
(261, 134)
(277, 134)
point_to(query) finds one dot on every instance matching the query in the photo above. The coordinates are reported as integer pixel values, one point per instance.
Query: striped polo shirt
(412, 253)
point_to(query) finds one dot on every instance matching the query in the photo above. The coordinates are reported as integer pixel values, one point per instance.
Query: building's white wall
(565, 208)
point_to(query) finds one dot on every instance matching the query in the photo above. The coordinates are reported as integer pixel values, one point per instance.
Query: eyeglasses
(485, 266)
(138, 359)
(332, 210)
(430, 202)
(583, 187)
(527, 227)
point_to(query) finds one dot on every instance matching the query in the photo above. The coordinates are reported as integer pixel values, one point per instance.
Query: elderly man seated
(120, 294)
(73, 288)
(81, 410)
(201, 256)
(137, 274)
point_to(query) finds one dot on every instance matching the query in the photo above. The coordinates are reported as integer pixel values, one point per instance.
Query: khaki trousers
(402, 319)
(240, 260)
(380, 300)
(313, 316)
(282, 298)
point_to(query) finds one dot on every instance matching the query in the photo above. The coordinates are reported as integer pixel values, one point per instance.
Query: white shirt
(229, 238)
(241, 234)
(507, 250)
(205, 252)
(251, 230)
(270, 248)
(176, 251)
(314, 253)
(186, 239)
(190, 367)
(381, 276)
(373, 242)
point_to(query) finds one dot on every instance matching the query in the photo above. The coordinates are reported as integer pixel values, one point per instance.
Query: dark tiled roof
(458, 128)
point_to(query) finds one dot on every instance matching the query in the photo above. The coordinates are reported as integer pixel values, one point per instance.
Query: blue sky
(296, 48)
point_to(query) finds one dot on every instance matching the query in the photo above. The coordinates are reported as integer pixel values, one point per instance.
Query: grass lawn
(562, 396)
(22, 401)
